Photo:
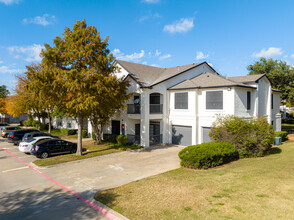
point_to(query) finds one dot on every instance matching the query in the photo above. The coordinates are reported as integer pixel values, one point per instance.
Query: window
(181, 100)
(272, 101)
(214, 100)
(248, 100)
(136, 99)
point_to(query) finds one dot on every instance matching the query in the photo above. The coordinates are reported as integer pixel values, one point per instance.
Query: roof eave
(208, 87)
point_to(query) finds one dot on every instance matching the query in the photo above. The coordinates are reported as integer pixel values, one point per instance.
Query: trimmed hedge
(207, 155)
(282, 134)
(66, 131)
(121, 140)
(110, 137)
(84, 133)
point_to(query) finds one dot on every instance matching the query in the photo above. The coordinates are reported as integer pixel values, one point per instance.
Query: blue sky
(229, 34)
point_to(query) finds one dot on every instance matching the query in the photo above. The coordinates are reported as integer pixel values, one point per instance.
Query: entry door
(137, 133)
(115, 127)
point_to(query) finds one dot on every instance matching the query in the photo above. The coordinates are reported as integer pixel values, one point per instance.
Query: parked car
(26, 146)
(16, 136)
(46, 148)
(7, 129)
(31, 135)
(2, 125)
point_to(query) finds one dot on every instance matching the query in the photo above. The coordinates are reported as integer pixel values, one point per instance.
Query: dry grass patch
(254, 188)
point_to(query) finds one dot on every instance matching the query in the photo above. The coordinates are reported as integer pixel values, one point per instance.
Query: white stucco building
(178, 105)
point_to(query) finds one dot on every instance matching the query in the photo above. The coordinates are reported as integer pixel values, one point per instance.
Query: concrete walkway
(26, 194)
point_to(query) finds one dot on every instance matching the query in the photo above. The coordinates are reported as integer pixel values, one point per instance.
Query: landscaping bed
(251, 188)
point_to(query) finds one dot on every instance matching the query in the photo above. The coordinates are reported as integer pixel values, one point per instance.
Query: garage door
(182, 135)
(205, 136)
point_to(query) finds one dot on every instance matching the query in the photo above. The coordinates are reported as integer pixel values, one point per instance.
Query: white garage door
(205, 136)
(182, 135)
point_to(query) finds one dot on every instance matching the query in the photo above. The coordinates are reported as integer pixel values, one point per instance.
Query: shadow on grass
(48, 203)
(106, 198)
(273, 150)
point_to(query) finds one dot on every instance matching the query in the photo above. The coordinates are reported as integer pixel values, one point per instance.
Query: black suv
(48, 147)
(31, 135)
(15, 137)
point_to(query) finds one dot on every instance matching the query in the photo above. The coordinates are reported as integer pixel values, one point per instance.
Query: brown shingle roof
(208, 80)
(247, 79)
(149, 75)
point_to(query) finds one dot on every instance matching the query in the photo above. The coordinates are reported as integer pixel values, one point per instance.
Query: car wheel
(44, 155)
(73, 151)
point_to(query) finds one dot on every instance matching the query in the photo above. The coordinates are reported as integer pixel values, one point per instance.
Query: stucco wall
(241, 102)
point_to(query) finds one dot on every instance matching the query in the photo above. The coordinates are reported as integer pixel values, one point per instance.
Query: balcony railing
(133, 139)
(155, 108)
(155, 139)
(133, 109)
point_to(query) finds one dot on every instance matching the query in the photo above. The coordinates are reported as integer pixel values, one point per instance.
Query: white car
(26, 146)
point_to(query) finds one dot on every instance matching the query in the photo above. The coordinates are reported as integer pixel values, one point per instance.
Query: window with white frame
(181, 100)
(214, 100)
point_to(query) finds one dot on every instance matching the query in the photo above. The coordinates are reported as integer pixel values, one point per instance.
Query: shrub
(84, 133)
(93, 135)
(282, 134)
(22, 122)
(35, 123)
(29, 122)
(208, 155)
(110, 137)
(121, 140)
(250, 137)
(66, 131)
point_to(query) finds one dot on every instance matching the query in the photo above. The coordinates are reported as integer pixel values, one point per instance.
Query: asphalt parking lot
(27, 194)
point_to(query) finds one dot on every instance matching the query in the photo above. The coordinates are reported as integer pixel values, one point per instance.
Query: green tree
(82, 58)
(111, 95)
(280, 74)
(4, 92)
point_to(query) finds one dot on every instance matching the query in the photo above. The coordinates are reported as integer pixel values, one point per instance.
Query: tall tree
(80, 55)
(280, 74)
(4, 92)
(111, 95)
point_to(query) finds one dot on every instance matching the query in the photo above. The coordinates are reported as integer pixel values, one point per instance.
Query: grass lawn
(253, 188)
(90, 150)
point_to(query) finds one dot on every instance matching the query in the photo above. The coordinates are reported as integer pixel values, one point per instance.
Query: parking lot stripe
(93, 205)
(19, 168)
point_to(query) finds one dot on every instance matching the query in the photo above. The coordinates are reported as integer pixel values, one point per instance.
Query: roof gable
(148, 76)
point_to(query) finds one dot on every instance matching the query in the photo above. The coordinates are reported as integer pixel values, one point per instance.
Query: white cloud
(10, 2)
(270, 52)
(155, 65)
(183, 25)
(157, 53)
(6, 69)
(292, 56)
(1, 61)
(132, 57)
(30, 53)
(200, 55)
(150, 17)
(44, 20)
(151, 1)
(165, 57)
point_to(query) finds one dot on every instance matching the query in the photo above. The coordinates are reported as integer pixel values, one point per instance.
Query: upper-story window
(248, 100)
(214, 100)
(181, 100)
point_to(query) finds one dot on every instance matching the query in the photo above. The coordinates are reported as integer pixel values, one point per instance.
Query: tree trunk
(50, 122)
(39, 119)
(80, 127)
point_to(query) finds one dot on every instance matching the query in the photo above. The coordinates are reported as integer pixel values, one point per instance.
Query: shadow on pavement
(156, 147)
(49, 203)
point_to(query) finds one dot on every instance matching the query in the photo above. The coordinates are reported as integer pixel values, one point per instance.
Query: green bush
(84, 133)
(252, 138)
(22, 122)
(66, 131)
(93, 135)
(121, 140)
(282, 134)
(208, 155)
(29, 122)
(35, 123)
(110, 137)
